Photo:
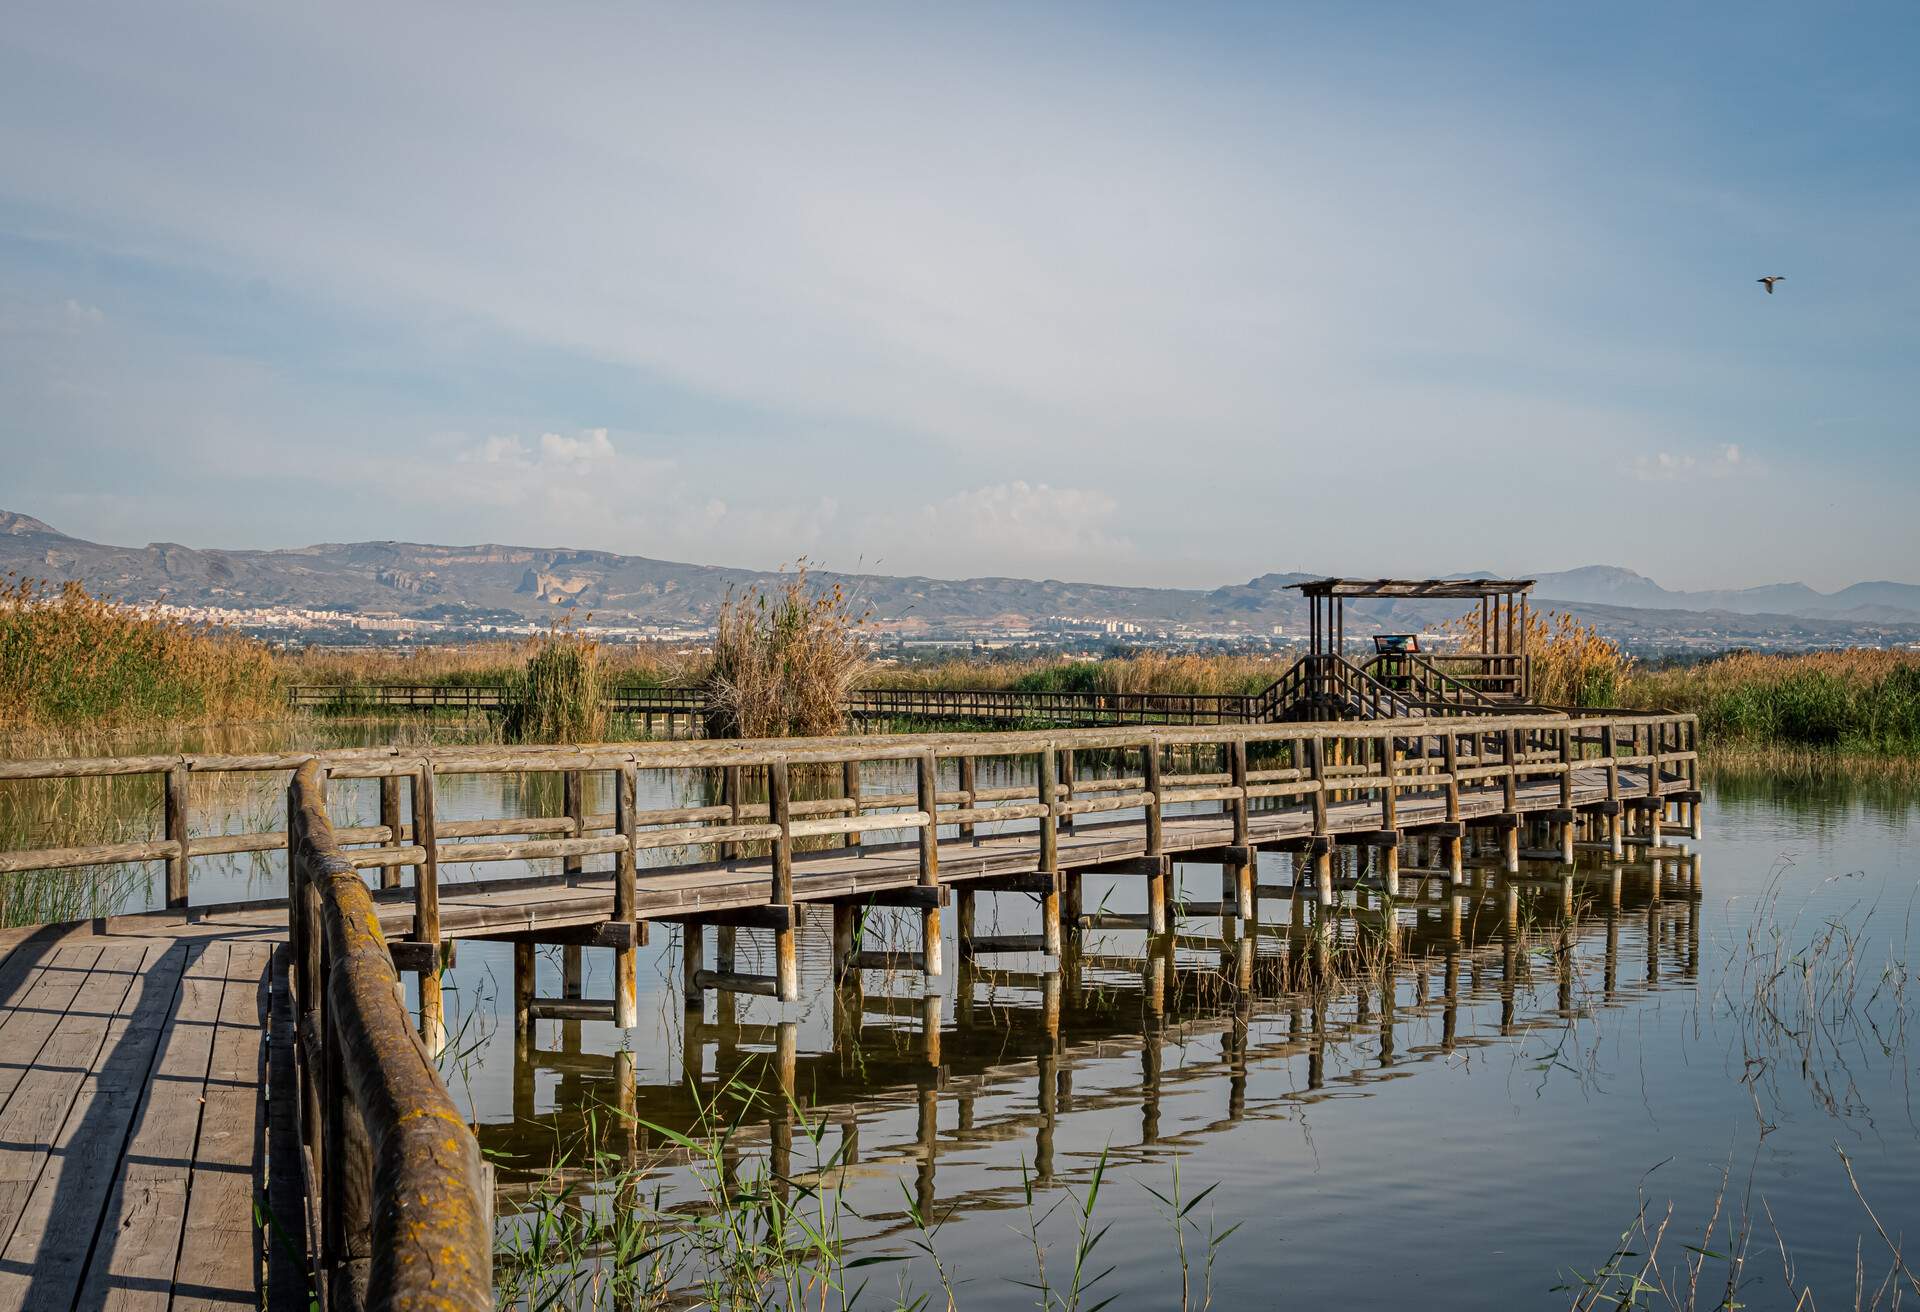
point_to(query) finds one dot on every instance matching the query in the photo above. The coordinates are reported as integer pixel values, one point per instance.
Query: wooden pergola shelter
(1498, 669)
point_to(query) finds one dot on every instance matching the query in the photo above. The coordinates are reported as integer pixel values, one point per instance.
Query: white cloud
(1012, 527)
(1668, 467)
(592, 445)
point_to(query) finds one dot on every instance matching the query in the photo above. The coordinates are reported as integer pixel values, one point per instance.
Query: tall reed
(1145, 672)
(783, 662)
(1573, 664)
(1865, 701)
(559, 695)
(69, 659)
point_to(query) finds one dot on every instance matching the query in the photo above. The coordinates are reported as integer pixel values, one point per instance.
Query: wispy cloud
(1671, 467)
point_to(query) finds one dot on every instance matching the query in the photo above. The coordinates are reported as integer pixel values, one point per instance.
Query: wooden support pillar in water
(524, 975)
(846, 940)
(1157, 923)
(693, 951)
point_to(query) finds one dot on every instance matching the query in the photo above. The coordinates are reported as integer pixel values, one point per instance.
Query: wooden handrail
(401, 1194)
(733, 821)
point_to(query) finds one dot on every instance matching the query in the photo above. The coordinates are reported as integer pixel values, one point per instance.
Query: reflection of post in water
(1509, 958)
(927, 1142)
(782, 1099)
(1563, 953)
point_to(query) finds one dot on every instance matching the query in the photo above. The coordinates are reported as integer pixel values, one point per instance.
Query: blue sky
(1124, 293)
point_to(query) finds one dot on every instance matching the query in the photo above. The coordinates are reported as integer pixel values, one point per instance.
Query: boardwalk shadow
(147, 1182)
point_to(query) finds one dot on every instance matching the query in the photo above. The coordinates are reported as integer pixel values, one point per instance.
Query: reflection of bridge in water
(1356, 990)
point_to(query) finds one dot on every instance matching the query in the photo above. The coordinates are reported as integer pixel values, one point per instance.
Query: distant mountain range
(494, 583)
(1608, 585)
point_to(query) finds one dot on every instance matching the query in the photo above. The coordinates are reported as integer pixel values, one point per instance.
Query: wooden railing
(477, 697)
(393, 1173)
(1513, 747)
(1076, 709)
(1313, 685)
(1508, 678)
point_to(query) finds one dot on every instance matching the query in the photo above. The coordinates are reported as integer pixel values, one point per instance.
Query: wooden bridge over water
(166, 1071)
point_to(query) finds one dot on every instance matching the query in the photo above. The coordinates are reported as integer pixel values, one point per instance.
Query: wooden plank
(46, 1257)
(35, 1007)
(223, 1269)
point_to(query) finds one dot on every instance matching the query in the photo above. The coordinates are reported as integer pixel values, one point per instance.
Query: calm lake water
(1469, 1137)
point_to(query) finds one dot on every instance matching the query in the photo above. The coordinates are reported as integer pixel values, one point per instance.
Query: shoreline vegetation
(71, 662)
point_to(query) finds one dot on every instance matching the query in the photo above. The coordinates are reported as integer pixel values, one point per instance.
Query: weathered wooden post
(1241, 868)
(967, 787)
(850, 789)
(927, 784)
(390, 821)
(1322, 841)
(178, 821)
(1657, 807)
(626, 899)
(785, 943)
(730, 794)
(1390, 818)
(1566, 816)
(1064, 762)
(1049, 857)
(1510, 804)
(1456, 842)
(572, 796)
(1616, 822)
(1158, 892)
(426, 907)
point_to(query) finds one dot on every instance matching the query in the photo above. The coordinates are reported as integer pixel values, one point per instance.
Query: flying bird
(1769, 281)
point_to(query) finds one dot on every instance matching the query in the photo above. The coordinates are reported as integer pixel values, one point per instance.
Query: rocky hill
(493, 582)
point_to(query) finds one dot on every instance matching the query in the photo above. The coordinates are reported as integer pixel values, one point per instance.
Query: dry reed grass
(1147, 672)
(783, 663)
(68, 658)
(1574, 664)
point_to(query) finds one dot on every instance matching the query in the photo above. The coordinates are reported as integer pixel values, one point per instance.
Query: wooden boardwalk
(488, 908)
(133, 1071)
(144, 1111)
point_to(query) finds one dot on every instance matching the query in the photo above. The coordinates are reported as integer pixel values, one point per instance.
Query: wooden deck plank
(45, 1259)
(30, 1126)
(221, 1262)
(139, 1240)
(34, 1009)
